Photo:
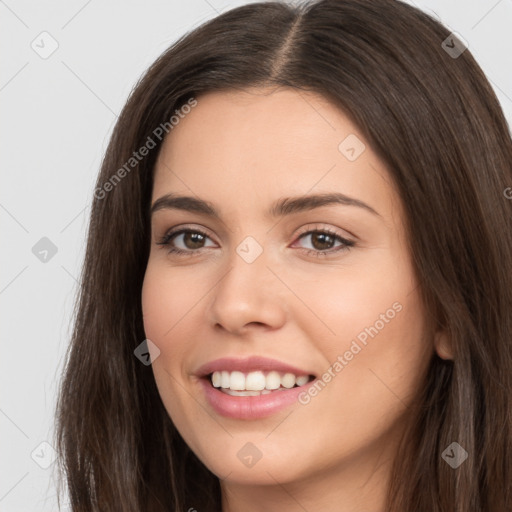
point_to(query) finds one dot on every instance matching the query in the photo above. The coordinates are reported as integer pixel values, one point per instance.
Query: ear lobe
(443, 346)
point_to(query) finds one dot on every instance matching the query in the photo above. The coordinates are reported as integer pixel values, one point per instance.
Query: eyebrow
(280, 208)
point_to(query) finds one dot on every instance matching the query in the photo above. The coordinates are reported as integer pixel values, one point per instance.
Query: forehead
(235, 126)
(266, 143)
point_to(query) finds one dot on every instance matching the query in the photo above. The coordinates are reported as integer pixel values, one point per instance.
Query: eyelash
(347, 244)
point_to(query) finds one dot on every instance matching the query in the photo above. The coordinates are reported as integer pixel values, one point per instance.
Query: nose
(248, 296)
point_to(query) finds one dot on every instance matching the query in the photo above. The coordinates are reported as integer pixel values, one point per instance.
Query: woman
(369, 370)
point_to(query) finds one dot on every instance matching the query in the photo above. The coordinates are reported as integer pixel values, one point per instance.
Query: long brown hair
(434, 120)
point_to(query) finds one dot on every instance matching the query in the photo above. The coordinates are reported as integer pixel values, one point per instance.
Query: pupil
(322, 236)
(322, 239)
(196, 238)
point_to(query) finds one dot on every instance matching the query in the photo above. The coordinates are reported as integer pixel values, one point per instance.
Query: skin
(241, 151)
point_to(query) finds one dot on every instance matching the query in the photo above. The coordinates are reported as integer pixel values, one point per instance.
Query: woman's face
(319, 288)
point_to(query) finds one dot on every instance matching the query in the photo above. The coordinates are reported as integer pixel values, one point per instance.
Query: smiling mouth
(256, 383)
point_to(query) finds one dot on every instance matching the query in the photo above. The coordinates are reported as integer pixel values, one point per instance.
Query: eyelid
(318, 226)
(186, 227)
(346, 242)
(305, 230)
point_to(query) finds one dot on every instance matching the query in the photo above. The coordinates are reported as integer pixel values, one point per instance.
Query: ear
(443, 346)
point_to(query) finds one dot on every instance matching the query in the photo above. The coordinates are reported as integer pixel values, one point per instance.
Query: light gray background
(57, 117)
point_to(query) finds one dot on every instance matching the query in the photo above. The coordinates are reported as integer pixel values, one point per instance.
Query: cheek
(379, 359)
(168, 302)
(371, 335)
(369, 384)
(166, 316)
(361, 300)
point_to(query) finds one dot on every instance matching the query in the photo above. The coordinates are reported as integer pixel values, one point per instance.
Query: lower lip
(250, 407)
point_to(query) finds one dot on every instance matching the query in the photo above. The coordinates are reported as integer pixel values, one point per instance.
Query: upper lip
(249, 364)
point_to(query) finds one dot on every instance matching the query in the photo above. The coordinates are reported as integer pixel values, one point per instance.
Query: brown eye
(191, 241)
(323, 242)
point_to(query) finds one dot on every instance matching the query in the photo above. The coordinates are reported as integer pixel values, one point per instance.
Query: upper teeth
(256, 381)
